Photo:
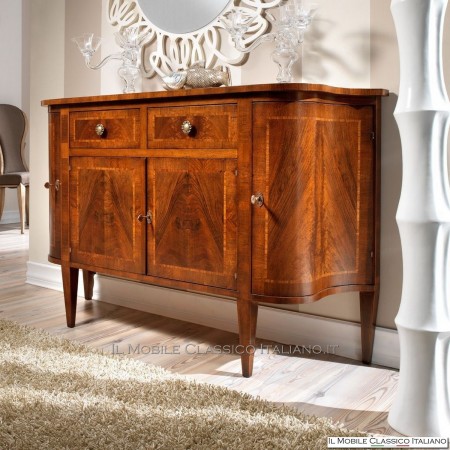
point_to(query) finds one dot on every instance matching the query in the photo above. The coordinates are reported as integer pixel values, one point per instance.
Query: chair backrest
(12, 132)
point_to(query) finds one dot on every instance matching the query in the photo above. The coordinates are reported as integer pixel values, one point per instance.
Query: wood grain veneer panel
(314, 165)
(194, 231)
(214, 126)
(122, 128)
(106, 197)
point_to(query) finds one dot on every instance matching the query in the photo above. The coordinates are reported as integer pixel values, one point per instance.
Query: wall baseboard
(286, 327)
(10, 217)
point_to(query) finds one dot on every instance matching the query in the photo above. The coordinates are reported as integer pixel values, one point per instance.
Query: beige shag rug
(55, 394)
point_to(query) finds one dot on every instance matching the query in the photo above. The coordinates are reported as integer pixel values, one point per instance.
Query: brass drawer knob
(56, 184)
(186, 127)
(257, 199)
(99, 129)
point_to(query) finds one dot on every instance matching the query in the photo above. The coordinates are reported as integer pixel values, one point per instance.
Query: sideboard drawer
(213, 126)
(121, 129)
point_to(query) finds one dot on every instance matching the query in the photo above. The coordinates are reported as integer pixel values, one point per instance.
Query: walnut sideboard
(263, 193)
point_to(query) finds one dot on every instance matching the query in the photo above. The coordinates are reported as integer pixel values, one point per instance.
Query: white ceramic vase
(422, 403)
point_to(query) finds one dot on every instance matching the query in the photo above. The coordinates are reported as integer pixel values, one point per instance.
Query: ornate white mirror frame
(165, 52)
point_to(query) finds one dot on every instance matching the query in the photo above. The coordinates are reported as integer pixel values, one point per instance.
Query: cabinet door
(193, 234)
(314, 165)
(106, 197)
(54, 179)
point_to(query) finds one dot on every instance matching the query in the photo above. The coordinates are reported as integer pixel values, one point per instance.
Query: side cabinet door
(314, 165)
(54, 179)
(106, 197)
(193, 234)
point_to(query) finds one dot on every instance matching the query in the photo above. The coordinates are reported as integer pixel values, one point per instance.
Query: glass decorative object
(130, 43)
(295, 17)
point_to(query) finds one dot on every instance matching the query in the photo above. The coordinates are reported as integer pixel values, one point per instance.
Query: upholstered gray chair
(13, 171)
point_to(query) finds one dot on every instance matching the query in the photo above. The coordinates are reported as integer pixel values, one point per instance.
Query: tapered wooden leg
(2, 201)
(70, 286)
(368, 307)
(247, 317)
(88, 281)
(21, 199)
(27, 206)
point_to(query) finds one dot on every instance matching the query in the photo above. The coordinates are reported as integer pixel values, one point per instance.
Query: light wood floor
(354, 394)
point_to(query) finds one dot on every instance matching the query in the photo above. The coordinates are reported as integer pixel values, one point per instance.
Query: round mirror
(183, 32)
(182, 16)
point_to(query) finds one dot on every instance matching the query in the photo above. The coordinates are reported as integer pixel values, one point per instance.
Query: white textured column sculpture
(422, 404)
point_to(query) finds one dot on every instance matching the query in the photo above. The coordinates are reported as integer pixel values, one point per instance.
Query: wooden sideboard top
(254, 89)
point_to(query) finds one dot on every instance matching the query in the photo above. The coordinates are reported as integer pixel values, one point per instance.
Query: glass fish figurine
(198, 77)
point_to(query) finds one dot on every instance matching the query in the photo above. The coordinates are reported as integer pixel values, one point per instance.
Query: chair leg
(2, 201)
(27, 206)
(21, 199)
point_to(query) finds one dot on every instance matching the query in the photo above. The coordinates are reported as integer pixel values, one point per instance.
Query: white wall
(336, 50)
(82, 16)
(47, 81)
(385, 72)
(14, 75)
(110, 82)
